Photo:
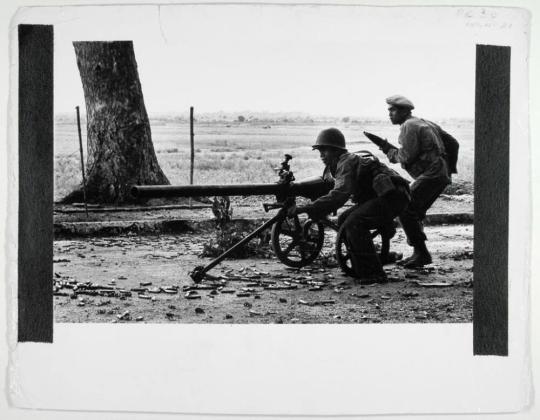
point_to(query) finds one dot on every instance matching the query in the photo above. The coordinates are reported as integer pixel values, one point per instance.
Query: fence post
(192, 142)
(82, 160)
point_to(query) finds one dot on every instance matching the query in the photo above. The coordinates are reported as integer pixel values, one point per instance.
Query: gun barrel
(163, 191)
(310, 188)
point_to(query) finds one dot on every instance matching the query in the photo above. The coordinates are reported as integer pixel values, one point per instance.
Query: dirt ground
(146, 279)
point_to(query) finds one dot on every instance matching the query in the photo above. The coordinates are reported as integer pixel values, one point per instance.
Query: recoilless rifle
(296, 242)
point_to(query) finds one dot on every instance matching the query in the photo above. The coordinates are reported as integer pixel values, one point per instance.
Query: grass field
(246, 152)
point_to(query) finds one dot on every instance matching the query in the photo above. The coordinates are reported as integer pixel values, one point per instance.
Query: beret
(400, 101)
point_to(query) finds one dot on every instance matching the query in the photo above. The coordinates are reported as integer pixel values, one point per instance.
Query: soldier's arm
(343, 188)
(410, 146)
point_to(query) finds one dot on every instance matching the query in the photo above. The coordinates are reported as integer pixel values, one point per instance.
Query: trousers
(424, 192)
(357, 221)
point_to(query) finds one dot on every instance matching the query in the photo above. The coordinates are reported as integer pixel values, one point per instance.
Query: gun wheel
(343, 256)
(297, 244)
(382, 246)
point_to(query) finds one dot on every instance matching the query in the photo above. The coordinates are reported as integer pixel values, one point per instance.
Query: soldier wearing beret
(379, 192)
(422, 154)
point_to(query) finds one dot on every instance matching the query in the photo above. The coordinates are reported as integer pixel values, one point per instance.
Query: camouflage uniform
(379, 194)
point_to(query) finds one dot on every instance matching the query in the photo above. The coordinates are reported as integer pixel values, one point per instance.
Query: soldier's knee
(356, 229)
(409, 214)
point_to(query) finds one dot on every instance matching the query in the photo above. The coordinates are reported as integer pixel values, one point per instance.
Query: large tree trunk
(120, 149)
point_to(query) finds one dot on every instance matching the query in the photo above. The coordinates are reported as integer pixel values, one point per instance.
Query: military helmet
(331, 137)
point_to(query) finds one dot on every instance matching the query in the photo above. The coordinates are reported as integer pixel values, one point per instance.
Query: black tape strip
(36, 124)
(491, 199)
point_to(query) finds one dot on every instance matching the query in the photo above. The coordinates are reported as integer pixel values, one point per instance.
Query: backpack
(451, 147)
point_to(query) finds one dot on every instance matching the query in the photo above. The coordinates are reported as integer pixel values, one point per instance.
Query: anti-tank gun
(296, 242)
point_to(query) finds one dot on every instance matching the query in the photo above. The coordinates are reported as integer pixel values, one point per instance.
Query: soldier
(379, 192)
(422, 154)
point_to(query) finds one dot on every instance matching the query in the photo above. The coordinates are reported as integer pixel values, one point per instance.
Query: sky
(321, 60)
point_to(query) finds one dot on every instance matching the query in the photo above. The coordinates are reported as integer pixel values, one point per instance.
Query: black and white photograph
(269, 200)
(277, 169)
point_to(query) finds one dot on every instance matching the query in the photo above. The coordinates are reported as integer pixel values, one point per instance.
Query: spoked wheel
(297, 244)
(343, 256)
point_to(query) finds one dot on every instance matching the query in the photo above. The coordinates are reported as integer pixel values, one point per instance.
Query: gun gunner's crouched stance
(379, 194)
(429, 155)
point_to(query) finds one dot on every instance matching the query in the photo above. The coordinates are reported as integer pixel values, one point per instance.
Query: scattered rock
(199, 310)
(192, 294)
(409, 294)
(434, 284)
(125, 316)
(317, 302)
(361, 295)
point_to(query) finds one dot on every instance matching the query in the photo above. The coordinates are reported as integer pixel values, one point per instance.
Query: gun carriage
(296, 242)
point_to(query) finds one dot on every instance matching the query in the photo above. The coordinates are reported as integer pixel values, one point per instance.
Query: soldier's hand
(386, 147)
(301, 209)
(292, 211)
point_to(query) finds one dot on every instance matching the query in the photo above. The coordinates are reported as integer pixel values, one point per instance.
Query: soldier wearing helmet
(424, 156)
(379, 194)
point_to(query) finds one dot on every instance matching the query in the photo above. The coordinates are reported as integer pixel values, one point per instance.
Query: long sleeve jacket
(357, 177)
(422, 152)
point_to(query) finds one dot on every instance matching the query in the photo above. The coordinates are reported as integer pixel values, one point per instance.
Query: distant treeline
(256, 117)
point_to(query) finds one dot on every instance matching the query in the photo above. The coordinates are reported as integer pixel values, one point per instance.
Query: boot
(404, 261)
(370, 278)
(391, 257)
(419, 258)
(367, 269)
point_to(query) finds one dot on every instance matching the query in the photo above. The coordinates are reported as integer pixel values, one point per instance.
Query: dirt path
(253, 290)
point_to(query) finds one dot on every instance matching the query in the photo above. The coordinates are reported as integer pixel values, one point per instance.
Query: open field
(246, 152)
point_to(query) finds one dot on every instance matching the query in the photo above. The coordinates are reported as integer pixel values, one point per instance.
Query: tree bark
(120, 150)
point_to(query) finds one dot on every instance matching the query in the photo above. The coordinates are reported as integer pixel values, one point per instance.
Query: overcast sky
(332, 60)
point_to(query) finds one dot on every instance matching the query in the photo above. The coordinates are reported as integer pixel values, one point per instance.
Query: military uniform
(379, 194)
(422, 155)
